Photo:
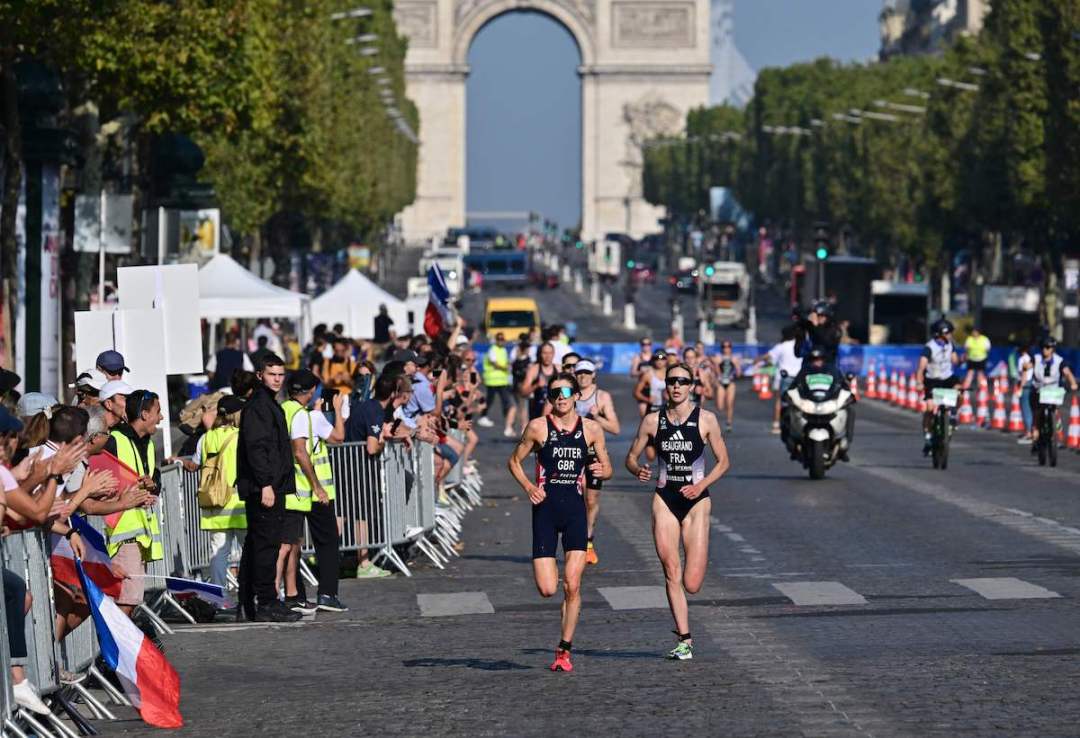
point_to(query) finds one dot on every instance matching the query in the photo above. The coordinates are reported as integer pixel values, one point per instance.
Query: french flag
(212, 593)
(97, 563)
(149, 680)
(438, 317)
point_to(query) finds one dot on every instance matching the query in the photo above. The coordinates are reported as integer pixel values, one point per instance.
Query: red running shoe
(562, 661)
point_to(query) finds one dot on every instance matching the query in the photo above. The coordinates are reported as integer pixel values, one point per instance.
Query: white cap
(462, 339)
(115, 387)
(93, 378)
(585, 366)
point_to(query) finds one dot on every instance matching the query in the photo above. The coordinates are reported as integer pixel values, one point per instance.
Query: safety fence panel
(424, 463)
(197, 541)
(7, 701)
(398, 485)
(175, 530)
(453, 479)
(360, 501)
(26, 553)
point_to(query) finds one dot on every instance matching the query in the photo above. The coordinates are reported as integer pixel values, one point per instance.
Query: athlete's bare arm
(646, 430)
(594, 436)
(531, 439)
(605, 413)
(709, 427)
(528, 385)
(642, 385)
(707, 384)
(920, 371)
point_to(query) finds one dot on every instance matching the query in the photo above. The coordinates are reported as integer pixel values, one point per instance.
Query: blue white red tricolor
(97, 563)
(438, 317)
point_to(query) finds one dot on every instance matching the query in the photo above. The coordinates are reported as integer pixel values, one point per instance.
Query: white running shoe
(26, 695)
(485, 422)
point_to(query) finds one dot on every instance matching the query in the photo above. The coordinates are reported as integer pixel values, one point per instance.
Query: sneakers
(730, 428)
(371, 572)
(1024, 440)
(485, 422)
(775, 430)
(928, 444)
(26, 695)
(275, 612)
(330, 603)
(590, 554)
(301, 606)
(682, 652)
(562, 661)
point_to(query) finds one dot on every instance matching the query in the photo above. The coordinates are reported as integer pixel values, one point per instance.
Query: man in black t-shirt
(383, 321)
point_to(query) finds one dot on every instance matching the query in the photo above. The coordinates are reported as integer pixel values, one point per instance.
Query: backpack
(214, 490)
(520, 368)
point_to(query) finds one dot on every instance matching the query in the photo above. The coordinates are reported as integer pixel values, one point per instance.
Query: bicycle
(941, 428)
(1050, 399)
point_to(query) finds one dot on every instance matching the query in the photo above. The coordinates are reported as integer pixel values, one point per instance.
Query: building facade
(928, 26)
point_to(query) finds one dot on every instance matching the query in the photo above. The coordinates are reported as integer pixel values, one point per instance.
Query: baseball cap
(112, 362)
(93, 379)
(33, 403)
(9, 380)
(462, 339)
(405, 356)
(229, 404)
(302, 381)
(8, 422)
(115, 387)
(585, 367)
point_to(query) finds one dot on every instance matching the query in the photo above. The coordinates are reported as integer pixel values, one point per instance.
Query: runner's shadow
(480, 664)
(599, 654)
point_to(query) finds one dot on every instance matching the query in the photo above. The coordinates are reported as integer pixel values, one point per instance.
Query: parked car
(686, 281)
(544, 280)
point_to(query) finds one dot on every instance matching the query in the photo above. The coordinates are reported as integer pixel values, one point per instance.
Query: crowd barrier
(385, 503)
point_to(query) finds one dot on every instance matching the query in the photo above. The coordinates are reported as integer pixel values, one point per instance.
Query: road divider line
(635, 598)
(1006, 588)
(455, 603)
(819, 593)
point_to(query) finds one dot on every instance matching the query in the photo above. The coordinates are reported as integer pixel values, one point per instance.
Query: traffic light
(822, 252)
(710, 270)
(580, 244)
(629, 263)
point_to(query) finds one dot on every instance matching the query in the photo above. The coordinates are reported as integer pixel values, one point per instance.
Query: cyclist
(728, 368)
(594, 404)
(1048, 369)
(561, 441)
(936, 369)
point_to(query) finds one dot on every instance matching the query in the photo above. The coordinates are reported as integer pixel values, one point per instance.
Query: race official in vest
(264, 479)
(497, 380)
(310, 432)
(133, 536)
(226, 524)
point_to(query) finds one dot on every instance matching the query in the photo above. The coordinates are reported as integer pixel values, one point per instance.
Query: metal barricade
(426, 491)
(453, 479)
(27, 554)
(197, 540)
(7, 701)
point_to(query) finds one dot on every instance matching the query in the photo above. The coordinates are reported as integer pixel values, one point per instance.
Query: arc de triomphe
(644, 64)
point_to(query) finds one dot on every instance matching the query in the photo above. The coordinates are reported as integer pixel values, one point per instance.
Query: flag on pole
(438, 317)
(97, 563)
(212, 593)
(149, 680)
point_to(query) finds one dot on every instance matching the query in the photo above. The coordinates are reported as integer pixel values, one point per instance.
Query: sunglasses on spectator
(678, 381)
(147, 396)
(555, 393)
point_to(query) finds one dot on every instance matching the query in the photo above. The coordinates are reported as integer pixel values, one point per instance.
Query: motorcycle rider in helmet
(936, 367)
(818, 361)
(818, 329)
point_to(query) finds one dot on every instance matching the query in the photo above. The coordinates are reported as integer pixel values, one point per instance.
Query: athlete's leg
(721, 399)
(695, 538)
(571, 606)
(730, 402)
(546, 576)
(592, 508)
(666, 537)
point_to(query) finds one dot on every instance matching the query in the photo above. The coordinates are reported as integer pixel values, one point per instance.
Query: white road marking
(819, 593)
(734, 537)
(749, 550)
(1006, 588)
(634, 598)
(455, 603)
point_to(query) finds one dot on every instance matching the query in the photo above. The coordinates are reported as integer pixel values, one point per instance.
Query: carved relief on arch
(649, 116)
(418, 21)
(585, 10)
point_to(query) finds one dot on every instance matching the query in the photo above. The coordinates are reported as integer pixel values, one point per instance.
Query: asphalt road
(887, 600)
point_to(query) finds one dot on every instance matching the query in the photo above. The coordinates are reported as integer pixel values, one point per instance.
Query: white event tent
(228, 290)
(354, 302)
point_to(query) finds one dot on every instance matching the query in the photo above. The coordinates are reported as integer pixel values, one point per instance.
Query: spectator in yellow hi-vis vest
(228, 523)
(133, 536)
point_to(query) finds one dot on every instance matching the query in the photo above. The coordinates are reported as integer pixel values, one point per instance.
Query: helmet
(1049, 343)
(823, 308)
(941, 328)
(816, 354)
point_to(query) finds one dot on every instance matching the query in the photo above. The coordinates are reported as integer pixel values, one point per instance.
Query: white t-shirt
(320, 426)
(783, 357)
(8, 479)
(561, 350)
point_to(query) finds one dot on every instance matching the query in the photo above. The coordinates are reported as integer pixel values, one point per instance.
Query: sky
(523, 95)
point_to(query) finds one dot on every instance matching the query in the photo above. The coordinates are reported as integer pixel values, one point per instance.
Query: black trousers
(258, 563)
(15, 610)
(322, 524)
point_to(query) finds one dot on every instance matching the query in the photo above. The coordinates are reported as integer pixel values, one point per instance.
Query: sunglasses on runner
(556, 392)
(678, 381)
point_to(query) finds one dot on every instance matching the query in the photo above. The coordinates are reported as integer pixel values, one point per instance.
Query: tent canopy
(354, 302)
(227, 290)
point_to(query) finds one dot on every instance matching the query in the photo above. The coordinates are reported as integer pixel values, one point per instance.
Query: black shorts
(929, 385)
(678, 505)
(561, 513)
(592, 482)
(977, 366)
(292, 527)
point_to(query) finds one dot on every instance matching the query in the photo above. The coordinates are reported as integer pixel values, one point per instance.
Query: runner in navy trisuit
(561, 442)
(680, 432)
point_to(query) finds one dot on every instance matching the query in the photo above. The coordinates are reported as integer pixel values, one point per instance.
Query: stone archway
(645, 63)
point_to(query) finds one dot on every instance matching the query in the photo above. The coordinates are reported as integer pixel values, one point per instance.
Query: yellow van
(511, 316)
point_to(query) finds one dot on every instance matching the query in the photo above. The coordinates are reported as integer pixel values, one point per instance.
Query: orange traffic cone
(966, 416)
(999, 420)
(871, 383)
(1016, 416)
(757, 382)
(766, 388)
(982, 406)
(891, 396)
(1074, 424)
(912, 394)
(855, 388)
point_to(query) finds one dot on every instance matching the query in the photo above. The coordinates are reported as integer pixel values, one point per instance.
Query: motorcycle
(814, 426)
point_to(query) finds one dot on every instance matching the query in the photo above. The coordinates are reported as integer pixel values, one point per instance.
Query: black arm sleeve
(258, 444)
